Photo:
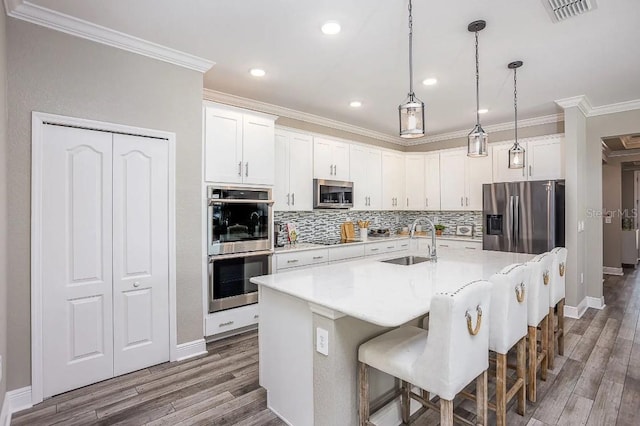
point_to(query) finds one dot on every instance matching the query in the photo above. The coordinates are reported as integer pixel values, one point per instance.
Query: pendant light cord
(515, 100)
(410, 52)
(477, 83)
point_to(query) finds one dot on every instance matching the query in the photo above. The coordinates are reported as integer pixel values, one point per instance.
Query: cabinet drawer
(346, 252)
(403, 245)
(380, 248)
(469, 245)
(301, 258)
(231, 319)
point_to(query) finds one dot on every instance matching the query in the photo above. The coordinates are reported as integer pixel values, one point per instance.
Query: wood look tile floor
(596, 382)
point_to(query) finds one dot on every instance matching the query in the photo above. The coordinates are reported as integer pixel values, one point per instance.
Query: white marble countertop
(386, 294)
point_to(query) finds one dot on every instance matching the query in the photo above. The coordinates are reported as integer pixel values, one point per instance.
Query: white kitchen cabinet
(239, 147)
(501, 170)
(546, 159)
(365, 168)
(231, 319)
(392, 181)
(298, 258)
(293, 188)
(478, 171)
(414, 182)
(452, 179)
(330, 159)
(432, 181)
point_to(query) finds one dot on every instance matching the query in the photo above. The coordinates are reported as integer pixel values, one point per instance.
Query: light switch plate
(322, 341)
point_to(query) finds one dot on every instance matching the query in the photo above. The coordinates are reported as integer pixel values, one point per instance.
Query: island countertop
(386, 294)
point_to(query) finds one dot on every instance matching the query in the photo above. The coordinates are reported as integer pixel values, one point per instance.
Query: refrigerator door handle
(516, 218)
(511, 217)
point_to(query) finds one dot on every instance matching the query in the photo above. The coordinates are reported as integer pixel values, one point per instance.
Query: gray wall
(52, 72)
(612, 202)
(628, 196)
(3, 201)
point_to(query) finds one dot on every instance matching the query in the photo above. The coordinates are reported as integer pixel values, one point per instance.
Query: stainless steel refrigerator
(523, 217)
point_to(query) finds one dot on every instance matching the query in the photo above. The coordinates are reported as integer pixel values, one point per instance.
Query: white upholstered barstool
(556, 303)
(508, 328)
(441, 360)
(538, 316)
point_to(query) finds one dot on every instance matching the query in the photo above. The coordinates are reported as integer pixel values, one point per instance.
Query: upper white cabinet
(239, 147)
(544, 159)
(293, 189)
(330, 159)
(414, 182)
(432, 181)
(461, 179)
(365, 167)
(393, 182)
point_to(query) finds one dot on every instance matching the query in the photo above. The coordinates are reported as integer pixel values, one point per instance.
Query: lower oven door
(229, 275)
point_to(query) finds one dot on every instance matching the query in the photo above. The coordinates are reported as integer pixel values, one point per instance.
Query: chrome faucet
(433, 256)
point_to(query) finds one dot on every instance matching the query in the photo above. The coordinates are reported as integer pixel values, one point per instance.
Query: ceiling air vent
(564, 9)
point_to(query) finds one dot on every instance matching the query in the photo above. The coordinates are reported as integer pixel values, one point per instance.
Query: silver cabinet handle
(256, 316)
(444, 245)
(292, 261)
(288, 199)
(374, 249)
(318, 257)
(390, 247)
(246, 168)
(225, 324)
(407, 201)
(331, 169)
(335, 170)
(426, 202)
(404, 245)
(293, 199)
(136, 284)
(461, 201)
(470, 248)
(239, 168)
(529, 169)
(466, 200)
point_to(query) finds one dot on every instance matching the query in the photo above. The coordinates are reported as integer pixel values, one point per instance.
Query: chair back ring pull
(561, 267)
(545, 277)
(520, 292)
(473, 331)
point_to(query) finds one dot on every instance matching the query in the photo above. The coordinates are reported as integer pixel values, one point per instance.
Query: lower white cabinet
(346, 252)
(382, 247)
(468, 245)
(231, 319)
(298, 258)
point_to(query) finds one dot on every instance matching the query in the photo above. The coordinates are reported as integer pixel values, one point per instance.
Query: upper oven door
(237, 224)
(331, 194)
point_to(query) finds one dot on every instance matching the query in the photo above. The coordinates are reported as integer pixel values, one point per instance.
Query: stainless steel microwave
(332, 194)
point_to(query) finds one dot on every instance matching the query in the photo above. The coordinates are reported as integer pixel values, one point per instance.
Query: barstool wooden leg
(363, 400)
(533, 358)
(552, 337)
(521, 368)
(446, 412)
(561, 327)
(501, 389)
(405, 399)
(544, 341)
(481, 398)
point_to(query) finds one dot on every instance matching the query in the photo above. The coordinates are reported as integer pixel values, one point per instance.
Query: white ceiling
(595, 54)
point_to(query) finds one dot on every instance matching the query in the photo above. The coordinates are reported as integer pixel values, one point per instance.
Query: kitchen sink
(407, 260)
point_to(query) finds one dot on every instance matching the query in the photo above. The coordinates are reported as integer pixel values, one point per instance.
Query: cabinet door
(281, 193)
(546, 159)
(358, 157)
(301, 172)
(501, 170)
(452, 179)
(374, 178)
(322, 159)
(340, 155)
(478, 172)
(392, 181)
(223, 146)
(258, 150)
(414, 183)
(432, 181)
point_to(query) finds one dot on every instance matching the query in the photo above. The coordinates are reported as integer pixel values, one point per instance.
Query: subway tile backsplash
(324, 225)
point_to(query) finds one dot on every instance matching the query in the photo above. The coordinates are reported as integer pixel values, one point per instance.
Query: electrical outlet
(322, 341)
(436, 220)
(581, 278)
(397, 218)
(376, 220)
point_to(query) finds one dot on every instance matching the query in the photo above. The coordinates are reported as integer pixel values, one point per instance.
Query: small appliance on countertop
(379, 232)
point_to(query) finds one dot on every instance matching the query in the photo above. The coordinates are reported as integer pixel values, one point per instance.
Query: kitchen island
(352, 302)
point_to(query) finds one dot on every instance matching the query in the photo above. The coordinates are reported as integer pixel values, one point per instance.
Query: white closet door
(140, 252)
(77, 333)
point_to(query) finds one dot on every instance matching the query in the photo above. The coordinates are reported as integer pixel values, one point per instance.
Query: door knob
(136, 284)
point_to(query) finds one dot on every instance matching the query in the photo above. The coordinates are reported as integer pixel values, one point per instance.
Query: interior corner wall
(611, 206)
(628, 192)
(3, 202)
(52, 72)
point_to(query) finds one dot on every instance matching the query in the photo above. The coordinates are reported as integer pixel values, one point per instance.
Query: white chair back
(457, 349)
(558, 280)
(539, 280)
(509, 296)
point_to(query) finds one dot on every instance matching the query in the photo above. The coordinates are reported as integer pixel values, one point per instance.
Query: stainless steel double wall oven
(240, 245)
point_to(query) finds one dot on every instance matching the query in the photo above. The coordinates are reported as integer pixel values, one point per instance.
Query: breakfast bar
(313, 320)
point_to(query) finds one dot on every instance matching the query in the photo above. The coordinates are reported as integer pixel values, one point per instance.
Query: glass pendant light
(516, 153)
(478, 138)
(412, 110)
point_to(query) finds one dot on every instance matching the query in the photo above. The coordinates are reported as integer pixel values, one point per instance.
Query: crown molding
(238, 101)
(583, 103)
(54, 20)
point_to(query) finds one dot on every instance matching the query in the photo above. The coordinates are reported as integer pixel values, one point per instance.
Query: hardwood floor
(596, 382)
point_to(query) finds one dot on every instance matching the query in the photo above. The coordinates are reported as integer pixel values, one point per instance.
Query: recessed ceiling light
(483, 111)
(355, 104)
(330, 28)
(257, 72)
(429, 81)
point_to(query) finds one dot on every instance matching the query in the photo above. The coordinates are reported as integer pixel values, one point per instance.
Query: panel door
(140, 252)
(76, 261)
(322, 159)
(501, 170)
(452, 179)
(374, 179)
(223, 146)
(301, 172)
(340, 155)
(546, 159)
(258, 150)
(414, 185)
(281, 195)
(478, 172)
(432, 181)
(358, 165)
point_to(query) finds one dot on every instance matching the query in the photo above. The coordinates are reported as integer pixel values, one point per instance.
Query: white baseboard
(190, 349)
(576, 311)
(612, 271)
(14, 401)
(595, 302)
